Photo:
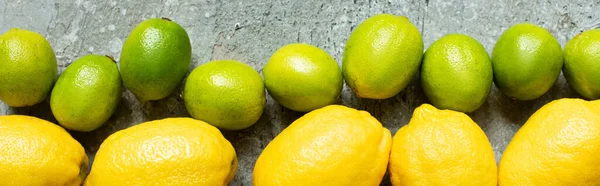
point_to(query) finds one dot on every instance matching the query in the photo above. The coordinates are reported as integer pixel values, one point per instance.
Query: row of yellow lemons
(333, 145)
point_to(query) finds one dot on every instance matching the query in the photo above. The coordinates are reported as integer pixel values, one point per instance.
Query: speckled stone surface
(251, 30)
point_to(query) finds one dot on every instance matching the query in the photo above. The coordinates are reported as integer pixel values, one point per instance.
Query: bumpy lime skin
(382, 56)
(456, 73)
(303, 77)
(155, 58)
(87, 93)
(227, 94)
(28, 68)
(582, 64)
(527, 61)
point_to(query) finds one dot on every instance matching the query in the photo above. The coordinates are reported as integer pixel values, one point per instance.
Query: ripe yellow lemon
(173, 151)
(333, 145)
(558, 145)
(36, 152)
(441, 147)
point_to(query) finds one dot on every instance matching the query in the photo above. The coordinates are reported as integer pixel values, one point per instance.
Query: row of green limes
(383, 54)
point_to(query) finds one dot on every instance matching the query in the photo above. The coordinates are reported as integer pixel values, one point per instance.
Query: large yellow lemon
(558, 145)
(441, 147)
(36, 152)
(174, 151)
(333, 145)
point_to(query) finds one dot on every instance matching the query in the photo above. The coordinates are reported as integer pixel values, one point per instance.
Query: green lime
(227, 94)
(303, 77)
(582, 63)
(456, 73)
(155, 58)
(527, 61)
(86, 93)
(382, 56)
(27, 68)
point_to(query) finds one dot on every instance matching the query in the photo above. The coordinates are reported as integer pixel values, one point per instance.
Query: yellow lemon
(36, 152)
(558, 145)
(333, 145)
(174, 151)
(441, 147)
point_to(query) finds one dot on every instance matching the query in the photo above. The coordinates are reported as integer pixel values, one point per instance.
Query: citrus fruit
(225, 93)
(86, 93)
(303, 77)
(28, 68)
(456, 73)
(382, 56)
(441, 147)
(582, 63)
(558, 145)
(36, 152)
(172, 151)
(333, 145)
(526, 60)
(155, 57)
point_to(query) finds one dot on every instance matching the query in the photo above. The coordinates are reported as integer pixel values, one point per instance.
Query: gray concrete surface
(251, 30)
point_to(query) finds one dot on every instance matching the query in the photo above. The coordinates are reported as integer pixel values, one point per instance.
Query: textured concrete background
(251, 30)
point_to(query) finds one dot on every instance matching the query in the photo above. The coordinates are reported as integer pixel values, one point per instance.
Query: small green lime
(155, 58)
(86, 93)
(527, 61)
(582, 63)
(27, 68)
(456, 73)
(227, 94)
(382, 56)
(303, 77)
